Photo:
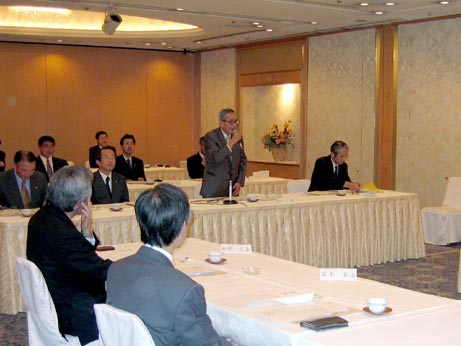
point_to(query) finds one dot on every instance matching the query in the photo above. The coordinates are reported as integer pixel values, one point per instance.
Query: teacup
(251, 269)
(116, 207)
(377, 305)
(26, 212)
(150, 181)
(252, 198)
(215, 257)
(342, 192)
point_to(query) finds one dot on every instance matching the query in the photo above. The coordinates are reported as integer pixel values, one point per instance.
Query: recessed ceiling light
(379, 12)
(170, 47)
(179, 9)
(147, 44)
(59, 41)
(314, 23)
(364, 4)
(269, 30)
(198, 42)
(256, 23)
(390, 3)
(260, 26)
(444, 2)
(163, 43)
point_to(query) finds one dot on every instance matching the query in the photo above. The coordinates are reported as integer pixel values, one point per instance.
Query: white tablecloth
(323, 231)
(136, 188)
(165, 173)
(242, 306)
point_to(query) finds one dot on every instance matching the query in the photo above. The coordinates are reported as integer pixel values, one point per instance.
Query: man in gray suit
(171, 305)
(108, 187)
(23, 187)
(225, 157)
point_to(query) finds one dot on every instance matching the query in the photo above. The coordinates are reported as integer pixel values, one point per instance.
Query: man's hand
(236, 137)
(87, 219)
(352, 186)
(236, 189)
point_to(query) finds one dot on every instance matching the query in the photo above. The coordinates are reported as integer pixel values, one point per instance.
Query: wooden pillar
(386, 106)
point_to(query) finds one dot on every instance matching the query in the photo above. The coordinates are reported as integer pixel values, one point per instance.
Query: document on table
(195, 269)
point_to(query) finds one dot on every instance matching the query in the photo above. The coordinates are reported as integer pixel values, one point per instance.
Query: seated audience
(127, 165)
(46, 162)
(170, 303)
(108, 186)
(330, 172)
(196, 163)
(22, 187)
(102, 139)
(74, 273)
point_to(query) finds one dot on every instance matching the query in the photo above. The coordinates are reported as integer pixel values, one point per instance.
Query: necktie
(25, 195)
(128, 162)
(108, 186)
(49, 170)
(336, 170)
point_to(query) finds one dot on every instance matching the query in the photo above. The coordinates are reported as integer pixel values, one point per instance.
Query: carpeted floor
(436, 274)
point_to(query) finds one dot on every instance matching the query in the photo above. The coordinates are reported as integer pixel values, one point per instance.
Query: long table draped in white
(111, 228)
(265, 310)
(165, 173)
(323, 231)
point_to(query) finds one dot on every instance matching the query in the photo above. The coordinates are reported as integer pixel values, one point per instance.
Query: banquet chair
(299, 185)
(442, 225)
(121, 328)
(42, 320)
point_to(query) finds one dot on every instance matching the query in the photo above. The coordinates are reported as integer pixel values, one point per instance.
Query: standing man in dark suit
(46, 162)
(108, 187)
(171, 305)
(103, 141)
(196, 163)
(330, 172)
(127, 165)
(74, 273)
(225, 157)
(22, 187)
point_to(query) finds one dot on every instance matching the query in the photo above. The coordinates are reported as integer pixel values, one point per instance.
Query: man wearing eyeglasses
(225, 157)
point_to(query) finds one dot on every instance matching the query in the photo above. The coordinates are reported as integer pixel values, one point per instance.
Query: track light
(111, 21)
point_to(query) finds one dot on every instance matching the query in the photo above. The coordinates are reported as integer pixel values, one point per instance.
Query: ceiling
(227, 23)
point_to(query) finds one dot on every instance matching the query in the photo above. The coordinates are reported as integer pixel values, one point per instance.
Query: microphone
(230, 200)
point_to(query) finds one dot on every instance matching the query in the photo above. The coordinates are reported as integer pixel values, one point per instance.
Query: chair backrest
(453, 193)
(260, 174)
(197, 189)
(120, 328)
(42, 320)
(299, 185)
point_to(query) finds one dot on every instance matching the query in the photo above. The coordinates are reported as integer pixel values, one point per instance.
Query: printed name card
(236, 249)
(338, 274)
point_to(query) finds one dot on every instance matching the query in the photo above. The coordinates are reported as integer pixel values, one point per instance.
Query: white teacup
(342, 192)
(116, 206)
(252, 198)
(215, 257)
(26, 212)
(377, 305)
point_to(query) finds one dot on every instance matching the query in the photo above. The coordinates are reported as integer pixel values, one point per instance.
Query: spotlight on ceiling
(111, 21)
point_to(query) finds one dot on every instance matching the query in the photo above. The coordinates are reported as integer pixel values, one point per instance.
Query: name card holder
(236, 249)
(338, 274)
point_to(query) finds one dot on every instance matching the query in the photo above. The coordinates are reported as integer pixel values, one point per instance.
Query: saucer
(119, 209)
(386, 311)
(223, 260)
(252, 200)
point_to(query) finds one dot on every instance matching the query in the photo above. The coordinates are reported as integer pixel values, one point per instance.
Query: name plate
(338, 274)
(236, 249)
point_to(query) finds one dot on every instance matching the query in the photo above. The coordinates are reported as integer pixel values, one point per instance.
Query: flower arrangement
(276, 138)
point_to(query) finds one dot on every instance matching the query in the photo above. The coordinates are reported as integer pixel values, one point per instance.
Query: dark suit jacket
(57, 164)
(171, 305)
(93, 151)
(119, 189)
(121, 167)
(73, 272)
(219, 167)
(10, 194)
(324, 179)
(195, 167)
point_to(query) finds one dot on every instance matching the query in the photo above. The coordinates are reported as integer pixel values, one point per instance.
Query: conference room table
(265, 309)
(165, 173)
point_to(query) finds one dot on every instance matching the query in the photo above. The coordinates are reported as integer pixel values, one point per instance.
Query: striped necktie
(25, 195)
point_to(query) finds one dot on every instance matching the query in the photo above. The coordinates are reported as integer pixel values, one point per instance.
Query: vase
(280, 153)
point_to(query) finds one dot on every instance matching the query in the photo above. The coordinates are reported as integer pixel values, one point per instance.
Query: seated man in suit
(74, 273)
(22, 187)
(127, 165)
(102, 139)
(46, 162)
(171, 305)
(330, 172)
(196, 163)
(108, 187)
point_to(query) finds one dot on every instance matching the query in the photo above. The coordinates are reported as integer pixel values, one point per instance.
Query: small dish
(252, 200)
(386, 311)
(223, 260)
(116, 209)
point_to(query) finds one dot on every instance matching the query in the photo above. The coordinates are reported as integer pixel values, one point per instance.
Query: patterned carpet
(436, 274)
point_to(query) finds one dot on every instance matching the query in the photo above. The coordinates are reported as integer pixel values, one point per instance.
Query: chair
(299, 185)
(70, 163)
(197, 189)
(260, 174)
(42, 320)
(121, 328)
(442, 225)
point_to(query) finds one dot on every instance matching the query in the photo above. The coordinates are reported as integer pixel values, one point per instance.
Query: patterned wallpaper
(341, 99)
(428, 108)
(218, 85)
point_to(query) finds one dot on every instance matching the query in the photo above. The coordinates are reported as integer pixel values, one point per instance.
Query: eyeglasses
(232, 122)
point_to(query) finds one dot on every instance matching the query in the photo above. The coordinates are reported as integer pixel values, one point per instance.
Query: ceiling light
(147, 44)
(379, 12)
(111, 21)
(179, 9)
(59, 41)
(390, 3)
(364, 4)
(260, 26)
(269, 30)
(256, 23)
(314, 23)
(198, 42)
(163, 43)
(444, 2)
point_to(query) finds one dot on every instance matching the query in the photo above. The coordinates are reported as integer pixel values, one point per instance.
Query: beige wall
(341, 99)
(72, 92)
(218, 87)
(428, 108)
